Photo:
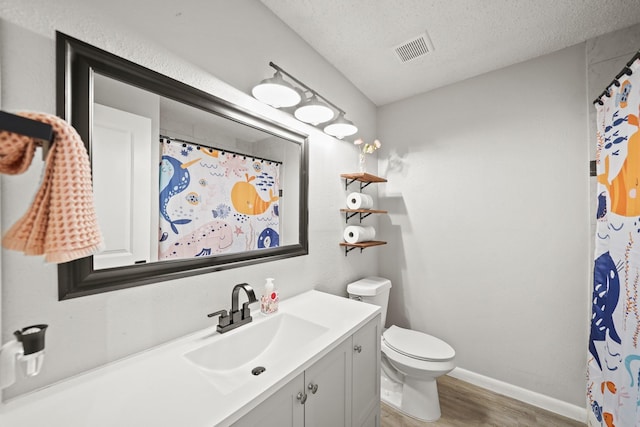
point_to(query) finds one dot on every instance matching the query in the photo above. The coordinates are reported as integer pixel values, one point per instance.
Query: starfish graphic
(238, 231)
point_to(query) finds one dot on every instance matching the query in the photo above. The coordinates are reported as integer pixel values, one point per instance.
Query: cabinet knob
(313, 387)
(302, 397)
(357, 348)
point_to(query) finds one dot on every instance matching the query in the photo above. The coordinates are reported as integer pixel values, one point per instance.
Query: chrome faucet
(237, 317)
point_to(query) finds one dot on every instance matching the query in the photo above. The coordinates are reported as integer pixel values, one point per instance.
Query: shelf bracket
(349, 215)
(348, 249)
(364, 185)
(364, 215)
(348, 182)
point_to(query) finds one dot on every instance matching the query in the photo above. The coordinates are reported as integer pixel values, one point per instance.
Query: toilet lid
(417, 345)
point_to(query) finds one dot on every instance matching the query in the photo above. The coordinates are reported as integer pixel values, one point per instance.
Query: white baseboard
(531, 397)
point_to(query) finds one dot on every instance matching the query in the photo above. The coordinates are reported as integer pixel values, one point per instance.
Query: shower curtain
(215, 202)
(613, 374)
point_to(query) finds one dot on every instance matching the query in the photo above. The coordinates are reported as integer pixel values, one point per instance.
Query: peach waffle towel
(61, 222)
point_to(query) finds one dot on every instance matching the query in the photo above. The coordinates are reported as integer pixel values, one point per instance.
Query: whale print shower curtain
(214, 202)
(613, 375)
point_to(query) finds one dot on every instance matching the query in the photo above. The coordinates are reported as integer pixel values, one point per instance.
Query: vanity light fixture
(276, 92)
(313, 109)
(340, 127)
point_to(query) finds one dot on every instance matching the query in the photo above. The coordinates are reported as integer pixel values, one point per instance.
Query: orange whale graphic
(246, 200)
(624, 189)
(608, 419)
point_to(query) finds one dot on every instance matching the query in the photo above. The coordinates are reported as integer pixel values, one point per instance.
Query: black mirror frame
(75, 63)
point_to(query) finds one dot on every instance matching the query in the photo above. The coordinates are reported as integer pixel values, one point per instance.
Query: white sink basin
(229, 359)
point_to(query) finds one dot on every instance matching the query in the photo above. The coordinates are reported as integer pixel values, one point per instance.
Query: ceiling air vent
(414, 48)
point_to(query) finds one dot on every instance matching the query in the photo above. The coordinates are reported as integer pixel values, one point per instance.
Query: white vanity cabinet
(328, 389)
(341, 389)
(281, 409)
(365, 402)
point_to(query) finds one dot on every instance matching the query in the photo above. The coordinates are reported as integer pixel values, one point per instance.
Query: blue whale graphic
(173, 180)
(268, 239)
(606, 290)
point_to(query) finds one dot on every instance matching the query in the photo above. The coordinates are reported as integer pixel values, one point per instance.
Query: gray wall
(231, 51)
(487, 195)
(488, 221)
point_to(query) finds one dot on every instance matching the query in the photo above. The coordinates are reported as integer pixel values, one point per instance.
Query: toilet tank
(372, 290)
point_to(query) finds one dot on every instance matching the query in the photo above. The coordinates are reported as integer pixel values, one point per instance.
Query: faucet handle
(246, 312)
(224, 320)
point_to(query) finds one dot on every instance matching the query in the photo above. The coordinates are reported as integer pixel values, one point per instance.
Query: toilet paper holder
(364, 179)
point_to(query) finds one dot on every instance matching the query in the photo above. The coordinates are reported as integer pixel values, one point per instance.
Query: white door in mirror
(120, 151)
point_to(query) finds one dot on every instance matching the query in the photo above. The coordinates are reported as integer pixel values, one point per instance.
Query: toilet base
(420, 399)
(390, 391)
(417, 399)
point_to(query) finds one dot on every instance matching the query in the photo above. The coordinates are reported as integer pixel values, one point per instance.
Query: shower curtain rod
(625, 71)
(168, 138)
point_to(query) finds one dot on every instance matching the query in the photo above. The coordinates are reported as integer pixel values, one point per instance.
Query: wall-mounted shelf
(348, 247)
(362, 177)
(350, 213)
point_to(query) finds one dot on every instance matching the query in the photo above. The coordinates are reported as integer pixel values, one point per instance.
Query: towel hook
(28, 127)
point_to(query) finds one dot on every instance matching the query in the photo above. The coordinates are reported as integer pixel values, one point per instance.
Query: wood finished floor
(463, 405)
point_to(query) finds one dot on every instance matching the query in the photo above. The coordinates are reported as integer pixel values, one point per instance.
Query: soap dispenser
(269, 300)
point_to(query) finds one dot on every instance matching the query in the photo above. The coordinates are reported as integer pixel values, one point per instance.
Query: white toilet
(411, 360)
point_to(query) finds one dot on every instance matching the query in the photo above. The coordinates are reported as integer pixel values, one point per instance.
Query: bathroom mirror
(185, 183)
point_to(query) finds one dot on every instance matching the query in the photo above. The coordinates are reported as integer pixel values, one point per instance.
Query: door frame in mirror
(76, 61)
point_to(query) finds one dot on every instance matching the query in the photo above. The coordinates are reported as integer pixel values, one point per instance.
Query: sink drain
(258, 370)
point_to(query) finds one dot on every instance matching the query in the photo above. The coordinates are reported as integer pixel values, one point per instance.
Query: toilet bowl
(411, 360)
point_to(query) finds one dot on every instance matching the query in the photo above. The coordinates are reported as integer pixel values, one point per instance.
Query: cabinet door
(373, 420)
(282, 409)
(328, 388)
(366, 374)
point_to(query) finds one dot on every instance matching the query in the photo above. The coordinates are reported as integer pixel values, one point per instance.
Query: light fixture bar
(279, 93)
(278, 68)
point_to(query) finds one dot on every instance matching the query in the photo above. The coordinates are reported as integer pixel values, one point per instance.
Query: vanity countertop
(160, 387)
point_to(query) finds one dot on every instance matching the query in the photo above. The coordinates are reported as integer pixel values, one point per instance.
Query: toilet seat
(417, 345)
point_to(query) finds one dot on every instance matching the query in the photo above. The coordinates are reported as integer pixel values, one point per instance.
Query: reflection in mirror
(168, 179)
(185, 183)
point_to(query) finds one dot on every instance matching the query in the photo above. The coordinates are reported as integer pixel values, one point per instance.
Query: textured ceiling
(470, 37)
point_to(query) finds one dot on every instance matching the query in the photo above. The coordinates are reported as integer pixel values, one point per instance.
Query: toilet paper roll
(358, 234)
(359, 201)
